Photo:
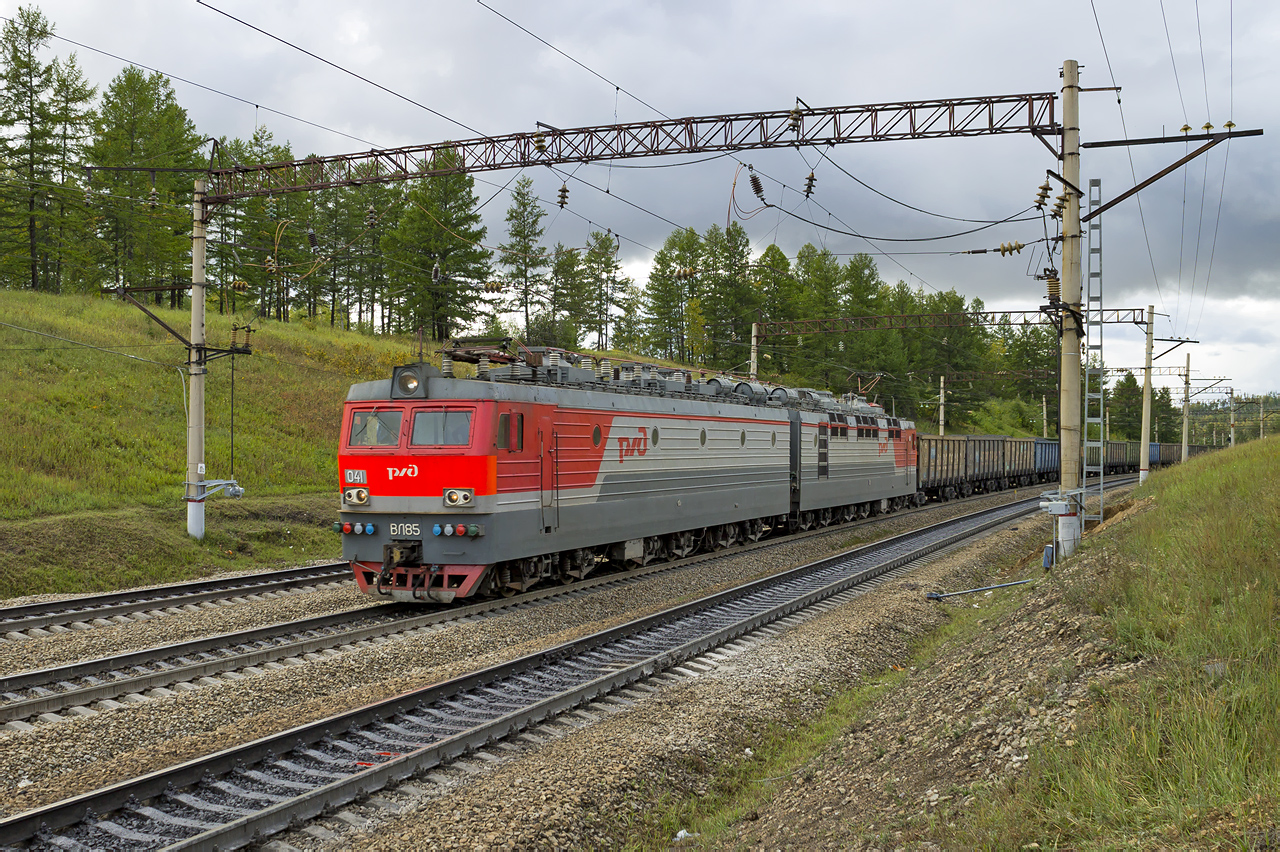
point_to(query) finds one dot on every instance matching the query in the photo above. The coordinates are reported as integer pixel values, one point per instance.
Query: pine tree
(672, 281)
(522, 254)
(72, 265)
(30, 149)
(438, 260)
(568, 298)
(145, 228)
(603, 274)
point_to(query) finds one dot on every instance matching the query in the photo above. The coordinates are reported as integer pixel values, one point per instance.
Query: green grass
(102, 550)
(1188, 753)
(84, 430)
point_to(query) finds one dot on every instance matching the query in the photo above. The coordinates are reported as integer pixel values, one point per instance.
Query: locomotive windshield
(441, 429)
(375, 429)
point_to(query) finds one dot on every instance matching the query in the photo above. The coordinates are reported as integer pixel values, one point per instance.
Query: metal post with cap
(1069, 528)
(195, 488)
(1144, 464)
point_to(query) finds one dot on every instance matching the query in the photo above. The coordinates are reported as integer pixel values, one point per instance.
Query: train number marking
(356, 477)
(405, 529)
(637, 446)
(393, 472)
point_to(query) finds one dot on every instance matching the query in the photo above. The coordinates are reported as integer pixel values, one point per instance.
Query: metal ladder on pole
(1095, 449)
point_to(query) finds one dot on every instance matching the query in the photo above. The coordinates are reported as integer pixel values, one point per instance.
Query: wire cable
(88, 345)
(1133, 171)
(539, 38)
(210, 89)
(335, 65)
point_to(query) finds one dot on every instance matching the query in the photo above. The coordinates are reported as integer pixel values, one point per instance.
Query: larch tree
(30, 147)
(145, 218)
(438, 261)
(522, 255)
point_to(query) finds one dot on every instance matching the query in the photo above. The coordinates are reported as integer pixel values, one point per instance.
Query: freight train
(544, 466)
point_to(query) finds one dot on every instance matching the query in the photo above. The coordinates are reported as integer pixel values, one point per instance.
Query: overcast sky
(1215, 276)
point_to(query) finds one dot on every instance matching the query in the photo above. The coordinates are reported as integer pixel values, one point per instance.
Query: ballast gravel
(51, 762)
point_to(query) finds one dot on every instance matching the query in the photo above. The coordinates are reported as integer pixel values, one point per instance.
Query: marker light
(369, 529)
(358, 529)
(473, 530)
(435, 530)
(346, 528)
(337, 526)
(448, 529)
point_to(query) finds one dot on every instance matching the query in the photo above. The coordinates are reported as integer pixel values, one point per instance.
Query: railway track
(83, 613)
(83, 688)
(231, 798)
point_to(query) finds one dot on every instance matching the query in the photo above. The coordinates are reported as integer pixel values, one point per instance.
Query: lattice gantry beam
(981, 116)
(949, 320)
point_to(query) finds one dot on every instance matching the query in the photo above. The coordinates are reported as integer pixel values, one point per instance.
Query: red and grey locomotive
(541, 468)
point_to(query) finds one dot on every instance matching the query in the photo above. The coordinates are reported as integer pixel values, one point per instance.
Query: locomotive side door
(824, 469)
(548, 470)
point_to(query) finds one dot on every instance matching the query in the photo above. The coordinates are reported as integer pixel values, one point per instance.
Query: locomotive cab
(418, 481)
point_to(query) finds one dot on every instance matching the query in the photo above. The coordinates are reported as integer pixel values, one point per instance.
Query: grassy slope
(92, 445)
(81, 429)
(1188, 754)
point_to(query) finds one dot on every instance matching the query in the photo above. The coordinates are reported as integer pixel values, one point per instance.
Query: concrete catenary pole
(196, 367)
(1044, 415)
(1069, 408)
(1186, 408)
(1144, 465)
(1231, 402)
(755, 350)
(1262, 417)
(942, 406)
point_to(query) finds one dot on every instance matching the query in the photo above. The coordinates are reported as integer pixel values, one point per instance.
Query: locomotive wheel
(864, 511)
(755, 530)
(824, 518)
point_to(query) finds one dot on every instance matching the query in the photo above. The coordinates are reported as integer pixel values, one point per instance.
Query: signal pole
(1186, 408)
(1069, 409)
(1144, 464)
(196, 366)
(942, 406)
(1231, 402)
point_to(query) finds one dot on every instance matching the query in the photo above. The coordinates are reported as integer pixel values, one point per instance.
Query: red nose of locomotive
(418, 479)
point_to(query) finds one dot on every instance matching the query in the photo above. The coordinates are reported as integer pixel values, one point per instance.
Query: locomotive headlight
(408, 382)
(454, 497)
(356, 496)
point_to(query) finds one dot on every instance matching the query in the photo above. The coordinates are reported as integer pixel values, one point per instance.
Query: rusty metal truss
(990, 375)
(981, 116)
(963, 319)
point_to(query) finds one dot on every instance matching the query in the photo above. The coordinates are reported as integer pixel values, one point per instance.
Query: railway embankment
(1129, 699)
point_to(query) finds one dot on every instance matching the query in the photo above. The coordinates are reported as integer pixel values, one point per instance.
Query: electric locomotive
(539, 468)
